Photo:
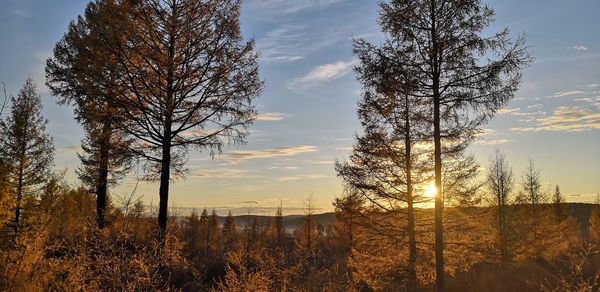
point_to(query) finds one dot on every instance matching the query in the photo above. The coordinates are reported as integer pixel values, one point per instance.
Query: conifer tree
(386, 167)
(500, 183)
(186, 75)
(27, 148)
(6, 199)
(532, 186)
(279, 228)
(465, 77)
(76, 80)
(229, 231)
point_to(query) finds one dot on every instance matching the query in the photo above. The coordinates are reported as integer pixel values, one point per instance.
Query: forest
(151, 81)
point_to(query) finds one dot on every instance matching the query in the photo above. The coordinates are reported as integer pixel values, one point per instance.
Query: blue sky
(308, 108)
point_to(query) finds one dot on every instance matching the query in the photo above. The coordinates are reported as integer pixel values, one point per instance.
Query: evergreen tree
(463, 76)
(279, 228)
(76, 80)
(187, 79)
(229, 231)
(500, 183)
(532, 186)
(27, 148)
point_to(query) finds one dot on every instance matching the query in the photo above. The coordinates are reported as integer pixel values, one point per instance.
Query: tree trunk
(102, 184)
(164, 187)
(22, 161)
(503, 242)
(412, 257)
(439, 202)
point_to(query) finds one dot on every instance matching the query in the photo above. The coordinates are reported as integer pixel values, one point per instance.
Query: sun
(431, 191)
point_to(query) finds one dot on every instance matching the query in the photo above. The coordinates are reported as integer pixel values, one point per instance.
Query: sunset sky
(308, 107)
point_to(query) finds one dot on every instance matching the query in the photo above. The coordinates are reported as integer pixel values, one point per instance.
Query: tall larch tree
(189, 79)
(386, 167)
(29, 147)
(500, 182)
(76, 80)
(6, 199)
(464, 76)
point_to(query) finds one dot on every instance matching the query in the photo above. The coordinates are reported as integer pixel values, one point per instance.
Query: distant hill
(581, 213)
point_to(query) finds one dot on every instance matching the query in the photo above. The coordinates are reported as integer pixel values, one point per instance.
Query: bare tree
(464, 76)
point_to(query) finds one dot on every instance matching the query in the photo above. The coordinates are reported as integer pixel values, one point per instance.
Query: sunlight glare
(431, 191)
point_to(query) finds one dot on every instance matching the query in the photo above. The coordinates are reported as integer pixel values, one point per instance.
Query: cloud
(595, 101)
(220, 173)
(296, 178)
(270, 117)
(490, 137)
(323, 162)
(493, 142)
(20, 13)
(350, 148)
(322, 73)
(568, 119)
(579, 48)
(71, 148)
(284, 7)
(593, 85)
(284, 167)
(486, 132)
(236, 157)
(518, 113)
(566, 93)
(292, 42)
(506, 111)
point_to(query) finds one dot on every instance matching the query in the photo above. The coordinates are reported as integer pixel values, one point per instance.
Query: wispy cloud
(566, 118)
(284, 7)
(518, 113)
(322, 73)
(285, 167)
(493, 142)
(236, 157)
(566, 93)
(490, 137)
(593, 85)
(71, 148)
(20, 13)
(296, 177)
(220, 173)
(506, 111)
(270, 117)
(292, 42)
(323, 162)
(579, 48)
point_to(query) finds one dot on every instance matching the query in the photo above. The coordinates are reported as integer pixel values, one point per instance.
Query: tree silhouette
(76, 80)
(386, 166)
(464, 76)
(28, 146)
(500, 183)
(189, 80)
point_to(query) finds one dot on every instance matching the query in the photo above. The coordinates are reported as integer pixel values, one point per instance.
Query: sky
(308, 108)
